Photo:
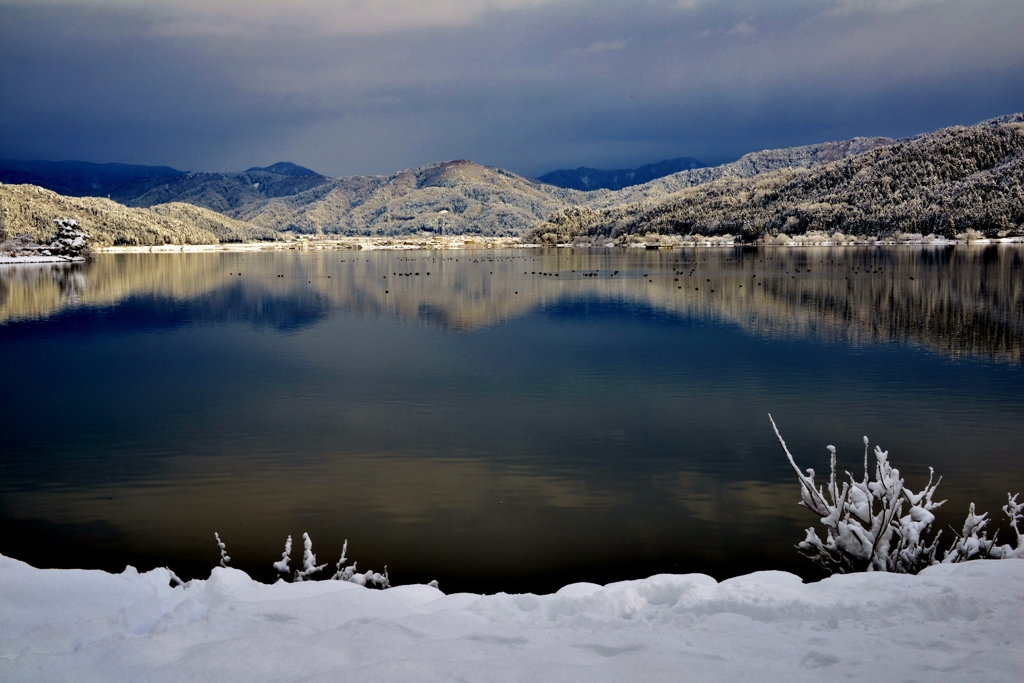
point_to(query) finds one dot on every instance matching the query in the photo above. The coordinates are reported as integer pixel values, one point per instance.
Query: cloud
(525, 85)
(322, 17)
(884, 6)
(606, 45)
(743, 27)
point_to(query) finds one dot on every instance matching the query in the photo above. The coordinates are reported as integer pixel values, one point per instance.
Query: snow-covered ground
(15, 260)
(951, 623)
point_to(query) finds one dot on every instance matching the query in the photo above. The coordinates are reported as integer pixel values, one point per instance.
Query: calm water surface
(513, 420)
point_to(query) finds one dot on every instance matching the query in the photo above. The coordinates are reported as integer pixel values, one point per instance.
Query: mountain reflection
(955, 300)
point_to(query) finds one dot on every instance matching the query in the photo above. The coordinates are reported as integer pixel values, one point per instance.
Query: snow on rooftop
(960, 622)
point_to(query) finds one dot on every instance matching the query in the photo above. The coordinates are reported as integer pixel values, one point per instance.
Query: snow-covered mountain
(453, 197)
(945, 183)
(31, 210)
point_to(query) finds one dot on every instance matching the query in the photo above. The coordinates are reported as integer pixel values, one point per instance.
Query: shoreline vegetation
(470, 242)
(959, 184)
(464, 242)
(467, 242)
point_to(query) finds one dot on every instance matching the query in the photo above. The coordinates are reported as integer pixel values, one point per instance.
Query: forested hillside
(944, 183)
(26, 209)
(461, 197)
(455, 197)
(231, 194)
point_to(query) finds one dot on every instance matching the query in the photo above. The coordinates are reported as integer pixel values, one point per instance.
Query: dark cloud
(524, 84)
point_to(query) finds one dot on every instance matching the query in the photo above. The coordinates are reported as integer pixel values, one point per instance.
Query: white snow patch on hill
(950, 623)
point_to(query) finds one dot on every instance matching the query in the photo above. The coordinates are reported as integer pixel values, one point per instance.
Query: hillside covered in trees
(30, 210)
(454, 197)
(945, 183)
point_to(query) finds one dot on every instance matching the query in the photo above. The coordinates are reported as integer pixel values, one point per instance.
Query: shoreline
(34, 260)
(333, 244)
(462, 243)
(465, 243)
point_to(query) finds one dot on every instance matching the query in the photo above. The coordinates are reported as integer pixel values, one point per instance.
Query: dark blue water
(492, 429)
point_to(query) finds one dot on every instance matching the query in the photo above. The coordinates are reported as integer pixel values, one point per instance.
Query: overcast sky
(373, 86)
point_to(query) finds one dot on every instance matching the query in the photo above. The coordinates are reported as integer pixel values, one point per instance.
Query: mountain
(227, 193)
(944, 183)
(31, 210)
(145, 186)
(747, 166)
(78, 178)
(284, 168)
(454, 197)
(461, 197)
(586, 179)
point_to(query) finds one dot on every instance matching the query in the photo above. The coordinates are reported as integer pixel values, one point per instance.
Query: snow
(950, 623)
(16, 260)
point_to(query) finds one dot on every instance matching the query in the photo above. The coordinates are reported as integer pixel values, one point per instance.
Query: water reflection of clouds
(412, 512)
(717, 501)
(406, 490)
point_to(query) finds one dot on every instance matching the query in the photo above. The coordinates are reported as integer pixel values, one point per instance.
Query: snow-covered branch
(349, 573)
(867, 530)
(175, 580)
(309, 565)
(344, 573)
(974, 544)
(282, 564)
(224, 558)
(1015, 512)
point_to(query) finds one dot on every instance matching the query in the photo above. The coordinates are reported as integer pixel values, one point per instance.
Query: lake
(497, 420)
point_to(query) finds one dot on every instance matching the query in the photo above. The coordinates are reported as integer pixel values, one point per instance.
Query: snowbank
(15, 260)
(950, 623)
